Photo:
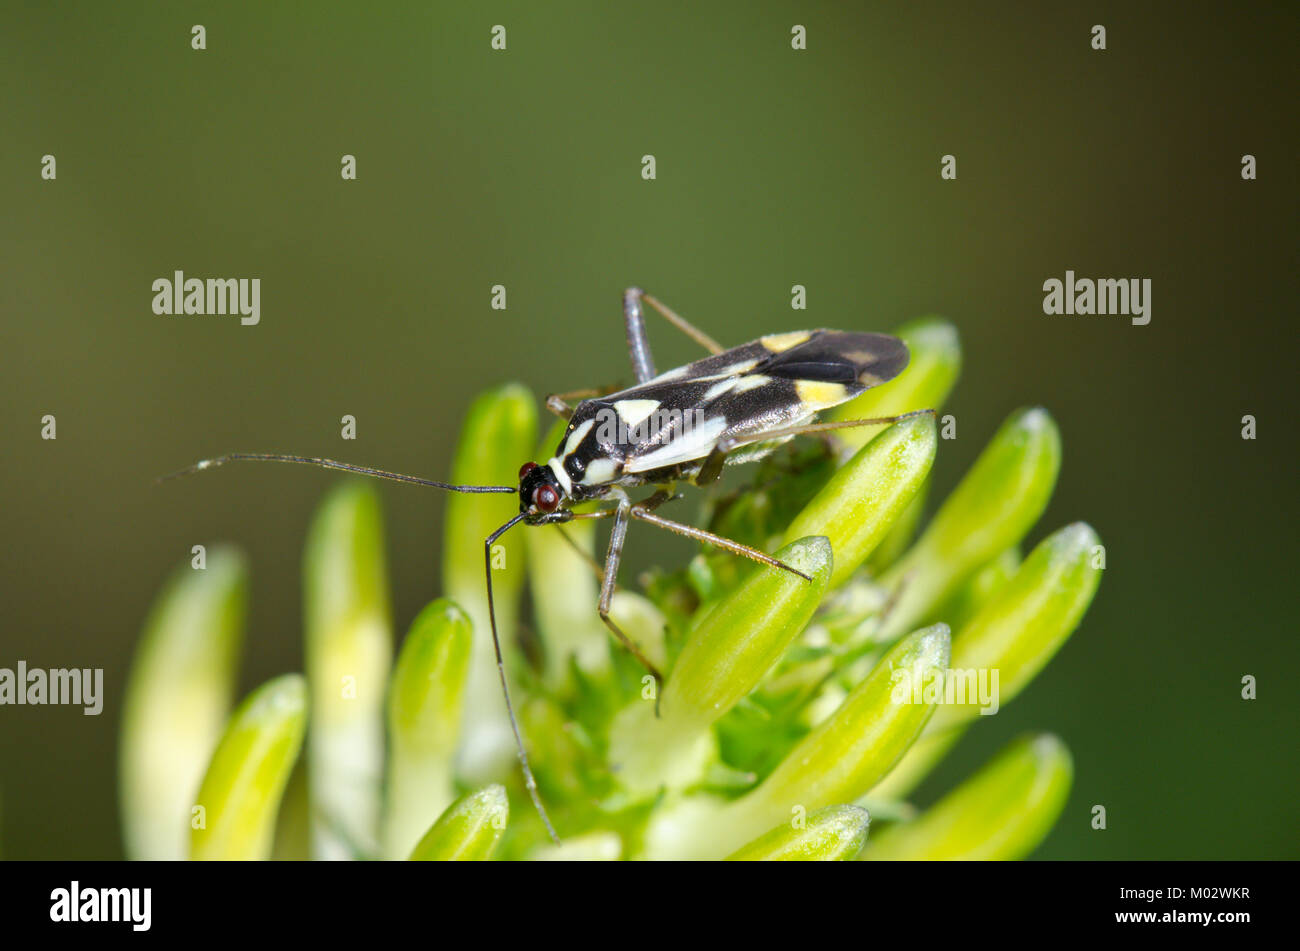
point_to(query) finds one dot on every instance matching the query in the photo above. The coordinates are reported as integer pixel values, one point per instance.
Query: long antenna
(331, 464)
(529, 781)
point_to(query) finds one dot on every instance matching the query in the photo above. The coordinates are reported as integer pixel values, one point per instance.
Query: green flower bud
(233, 816)
(1025, 623)
(641, 620)
(729, 651)
(833, 834)
(990, 510)
(742, 637)
(424, 706)
(178, 696)
(556, 751)
(469, 830)
(1002, 812)
(923, 756)
(975, 592)
(843, 757)
(348, 654)
(867, 495)
(901, 533)
(591, 847)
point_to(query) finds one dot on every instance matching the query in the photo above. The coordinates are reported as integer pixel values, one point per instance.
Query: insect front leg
(617, 536)
(558, 403)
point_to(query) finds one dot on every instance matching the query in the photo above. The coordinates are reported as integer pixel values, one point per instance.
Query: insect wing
(772, 382)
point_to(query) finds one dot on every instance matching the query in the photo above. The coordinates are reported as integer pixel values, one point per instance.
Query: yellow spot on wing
(860, 356)
(779, 343)
(815, 394)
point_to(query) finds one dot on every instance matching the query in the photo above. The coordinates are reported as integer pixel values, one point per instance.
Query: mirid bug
(684, 425)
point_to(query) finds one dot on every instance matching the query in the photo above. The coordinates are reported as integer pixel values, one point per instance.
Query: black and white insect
(681, 426)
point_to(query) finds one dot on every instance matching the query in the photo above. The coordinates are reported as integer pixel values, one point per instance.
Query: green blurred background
(775, 167)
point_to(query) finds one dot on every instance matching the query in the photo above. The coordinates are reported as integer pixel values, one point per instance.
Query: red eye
(526, 468)
(545, 498)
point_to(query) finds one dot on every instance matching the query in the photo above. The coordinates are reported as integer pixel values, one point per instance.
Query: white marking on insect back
(680, 373)
(632, 412)
(722, 386)
(577, 436)
(694, 443)
(676, 373)
(557, 466)
(600, 471)
(744, 366)
(750, 382)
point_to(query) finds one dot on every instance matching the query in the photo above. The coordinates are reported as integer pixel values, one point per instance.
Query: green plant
(792, 711)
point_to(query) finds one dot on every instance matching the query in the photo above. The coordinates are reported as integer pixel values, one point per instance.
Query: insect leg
(638, 346)
(681, 323)
(653, 501)
(558, 403)
(713, 463)
(718, 541)
(529, 781)
(616, 537)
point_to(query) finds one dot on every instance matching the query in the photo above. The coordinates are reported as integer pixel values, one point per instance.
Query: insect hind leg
(713, 463)
(638, 344)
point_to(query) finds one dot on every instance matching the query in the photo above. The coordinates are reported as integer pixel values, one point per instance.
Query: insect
(680, 426)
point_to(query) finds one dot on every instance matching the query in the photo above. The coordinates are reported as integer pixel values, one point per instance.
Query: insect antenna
(330, 464)
(529, 781)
